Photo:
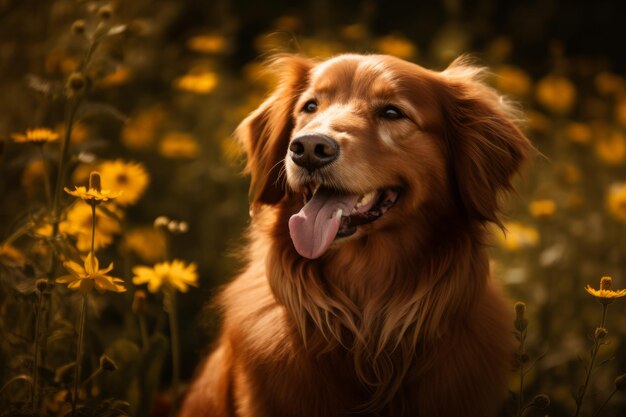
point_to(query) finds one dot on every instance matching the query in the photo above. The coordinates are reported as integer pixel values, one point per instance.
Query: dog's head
(364, 142)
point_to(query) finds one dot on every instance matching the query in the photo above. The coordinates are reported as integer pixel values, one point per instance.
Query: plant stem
(597, 413)
(65, 149)
(93, 236)
(35, 395)
(79, 353)
(46, 177)
(520, 406)
(594, 354)
(174, 338)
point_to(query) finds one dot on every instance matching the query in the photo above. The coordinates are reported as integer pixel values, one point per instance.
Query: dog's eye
(310, 106)
(391, 113)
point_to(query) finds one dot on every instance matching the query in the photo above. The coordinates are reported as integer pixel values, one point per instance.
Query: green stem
(79, 353)
(597, 413)
(594, 354)
(93, 236)
(174, 338)
(143, 330)
(35, 395)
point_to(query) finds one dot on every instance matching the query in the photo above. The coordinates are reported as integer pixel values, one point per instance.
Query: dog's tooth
(367, 198)
(338, 214)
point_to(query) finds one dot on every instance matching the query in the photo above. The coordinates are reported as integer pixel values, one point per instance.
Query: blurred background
(169, 83)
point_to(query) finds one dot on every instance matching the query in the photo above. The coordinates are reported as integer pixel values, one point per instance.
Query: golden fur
(402, 318)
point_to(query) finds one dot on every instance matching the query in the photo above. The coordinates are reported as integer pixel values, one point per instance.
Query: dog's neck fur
(347, 300)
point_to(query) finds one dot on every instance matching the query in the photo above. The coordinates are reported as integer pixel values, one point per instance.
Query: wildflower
(78, 224)
(608, 83)
(611, 148)
(578, 132)
(600, 333)
(207, 44)
(161, 222)
(354, 32)
(616, 201)
(146, 242)
(518, 236)
(397, 46)
(12, 255)
(129, 177)
(542, 208)
(605, 294)
(37, 136)
(141, 131)
(179, 145)
(175, 274)
(41, 285)
(512, 80)
(84, 278)
(105, 12)
(521, 322)
(200, 83)
(94, 194)
(118, 77)
(556, 93)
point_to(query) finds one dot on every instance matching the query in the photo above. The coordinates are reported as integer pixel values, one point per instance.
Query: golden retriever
(367, 290)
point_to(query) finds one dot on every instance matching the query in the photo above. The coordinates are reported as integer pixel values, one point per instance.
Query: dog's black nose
(313, 151)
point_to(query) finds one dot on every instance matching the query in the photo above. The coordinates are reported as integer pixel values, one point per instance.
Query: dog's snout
(313, 151)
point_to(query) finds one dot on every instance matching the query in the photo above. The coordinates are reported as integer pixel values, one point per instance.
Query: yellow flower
(556, 93)
(542, 208)
(397, 46)
(207, 44)
(611, 148)
(616, 201)
(517, 236)
(146, 242)
(512, 80)
(175, 274)
(94, 194)
(129, 177)
(118, 77)
(608, 83)
(179, 145)
(11, 254)
(37, 136)
(354, 32)
(605, 294)
(200, 82)
(578, 132)
(78, 224)
(84, 278)
(141, 131)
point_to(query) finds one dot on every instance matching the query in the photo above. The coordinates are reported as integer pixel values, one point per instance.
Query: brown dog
(367, 288)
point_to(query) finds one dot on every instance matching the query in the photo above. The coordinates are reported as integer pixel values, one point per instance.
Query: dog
(367, 290)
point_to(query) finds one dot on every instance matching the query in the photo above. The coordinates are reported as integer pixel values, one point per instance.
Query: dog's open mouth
(329, 214)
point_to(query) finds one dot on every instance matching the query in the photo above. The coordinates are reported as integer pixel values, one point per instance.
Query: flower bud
(161, 222)
(105, 12)
(620, 383)
(107, 364)
(183, 227)
(520, 310)
(520, 324)
(541, 401)
(95, 181)
(173, 226)
(139, 300)
(76, 84)
(605, 283)
(41, 284)
(78, 27)
(601, 333)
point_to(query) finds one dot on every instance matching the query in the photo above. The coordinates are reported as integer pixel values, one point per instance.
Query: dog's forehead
(355, 72)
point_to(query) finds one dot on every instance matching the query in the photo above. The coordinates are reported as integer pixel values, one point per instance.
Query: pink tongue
(314, 228)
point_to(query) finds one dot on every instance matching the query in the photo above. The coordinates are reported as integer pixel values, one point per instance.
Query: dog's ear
(485, 144)
(265, 133)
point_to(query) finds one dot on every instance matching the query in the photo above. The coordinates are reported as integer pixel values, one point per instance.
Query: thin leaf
(20, 377)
